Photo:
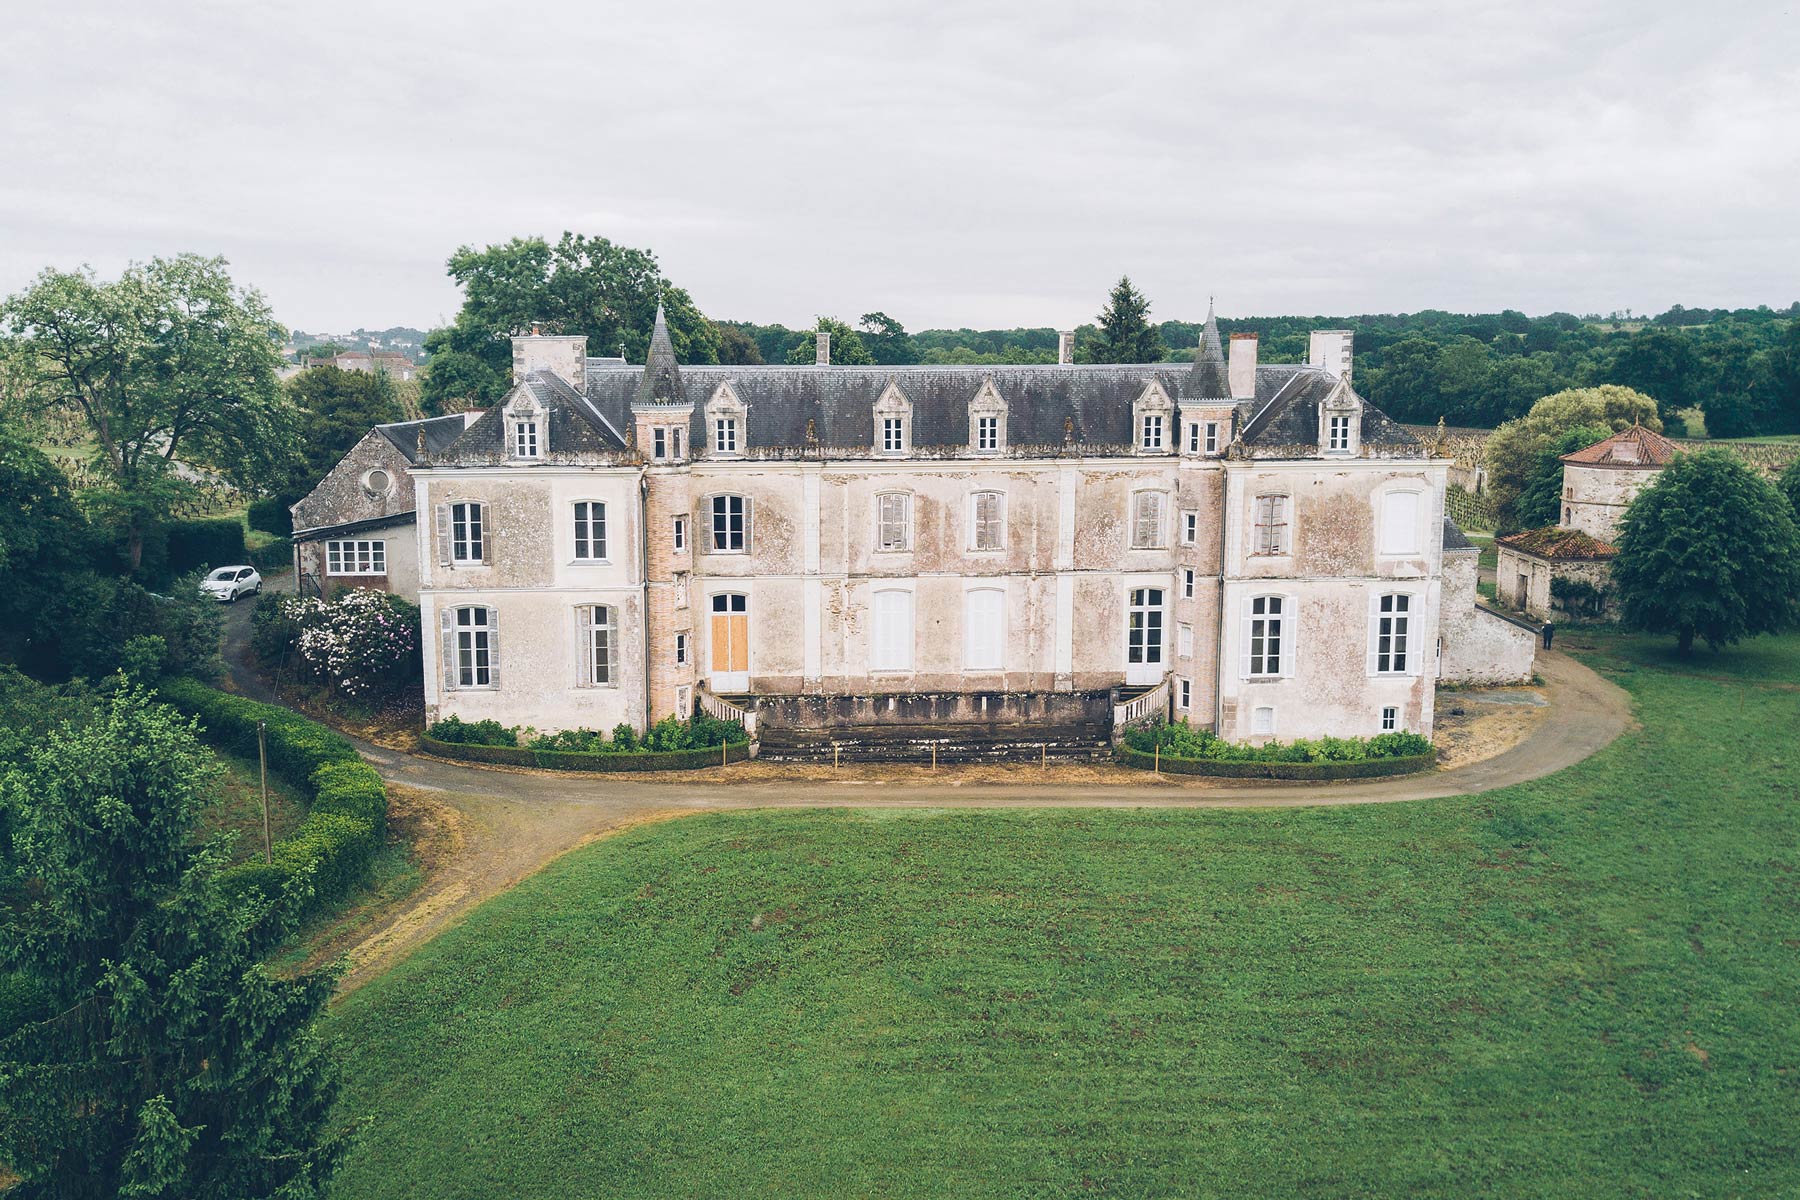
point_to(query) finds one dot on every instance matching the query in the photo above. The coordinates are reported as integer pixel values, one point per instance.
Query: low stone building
(1600, 481)
(1528, 565)
(1476, 644)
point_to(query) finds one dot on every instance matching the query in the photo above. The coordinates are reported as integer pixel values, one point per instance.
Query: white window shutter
(1373, 657)
(447, 622)
(1244, 656)
(747, 524)
(584, 651)
(443, 535)
(493, 618)
(487, 536)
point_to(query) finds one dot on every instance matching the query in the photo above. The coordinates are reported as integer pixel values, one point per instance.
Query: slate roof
(440, 433)
(1633, 447)
(1453, 537)
(1208, 378)
(573, 426)
(1555, 542)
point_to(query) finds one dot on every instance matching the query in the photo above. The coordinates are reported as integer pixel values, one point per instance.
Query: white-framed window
(598, 645)
(1267, 651)
(666, 442)
(1400, 523)
(1337, 433)
(1146, 520)
(893, 421)
(893, 521)
(1390, 719)
(1190, 527)
(891, 639)
(1271, 531)
(1187, 583)
(681, 653)
(1144, 627)
(1184, 694)
(1390, 635)
(467, 532)
(525, 438)
(725, 435)
(473, 646)
(678, 534)
(730, 524)
(1184, 641)
(1193, 437)
(1150, 431)
(984, 629)
(356, 557)
(893, 435)
(1210, 442)
(590, 531)
(1262, 720)
(987, 433)
(987, 521)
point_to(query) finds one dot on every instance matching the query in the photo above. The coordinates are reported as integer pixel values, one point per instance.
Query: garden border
(1368, 768)
(623, 762)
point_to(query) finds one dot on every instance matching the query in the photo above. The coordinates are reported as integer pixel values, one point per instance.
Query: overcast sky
(964, 164)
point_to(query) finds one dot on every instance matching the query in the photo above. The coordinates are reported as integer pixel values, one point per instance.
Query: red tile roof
(1633, 447)
(1552, 542)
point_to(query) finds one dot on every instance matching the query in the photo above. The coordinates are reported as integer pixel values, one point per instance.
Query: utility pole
(262, 754)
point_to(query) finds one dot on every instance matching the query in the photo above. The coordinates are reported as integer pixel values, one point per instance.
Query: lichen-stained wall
(341, 496)
(1595, 498)
(1333, 518)
(1522, 581)
(1478, 646)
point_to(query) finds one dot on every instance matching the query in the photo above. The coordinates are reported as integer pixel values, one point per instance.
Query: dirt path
(511, 823)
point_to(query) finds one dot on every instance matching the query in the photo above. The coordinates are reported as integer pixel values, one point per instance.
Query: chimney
(1242, 366)
(822, 349)
(562, 356)
(1065, 348)
(1329, 350)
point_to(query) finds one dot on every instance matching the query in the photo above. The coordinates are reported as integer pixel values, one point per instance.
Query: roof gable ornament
(987, 398)
(893, 400)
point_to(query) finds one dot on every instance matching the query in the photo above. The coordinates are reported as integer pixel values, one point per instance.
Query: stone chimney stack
(1330, 351)
(1242, 368)
(562, 356)
(822, 349)
(1065, 348)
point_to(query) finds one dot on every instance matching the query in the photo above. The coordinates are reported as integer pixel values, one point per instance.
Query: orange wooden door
(730, 642)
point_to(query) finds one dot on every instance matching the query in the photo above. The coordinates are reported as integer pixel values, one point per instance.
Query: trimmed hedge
(278, 555)
(209, 541)
(329, 856)
(1368, 768)
(564, 760)
(271, 515)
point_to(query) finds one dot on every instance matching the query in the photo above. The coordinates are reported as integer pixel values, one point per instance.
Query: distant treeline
(1740, 368)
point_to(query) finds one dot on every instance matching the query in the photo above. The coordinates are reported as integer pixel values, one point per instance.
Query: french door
(730, 638)
(1144, 637)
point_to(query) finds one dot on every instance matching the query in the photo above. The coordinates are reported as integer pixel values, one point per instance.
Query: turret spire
(1208, 378)
(661, 381)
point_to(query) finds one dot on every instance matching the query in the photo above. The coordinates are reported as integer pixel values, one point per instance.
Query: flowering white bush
(364, 643)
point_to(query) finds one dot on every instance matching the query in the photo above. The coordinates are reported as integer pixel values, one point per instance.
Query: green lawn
(1588, 986)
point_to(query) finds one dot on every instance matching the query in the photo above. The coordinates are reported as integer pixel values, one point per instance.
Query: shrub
(271, 515)
(207, 542)
(1181, 740)
(278, 555)
(459, 732)
(273, 632)
(666, 736)
(363, 643)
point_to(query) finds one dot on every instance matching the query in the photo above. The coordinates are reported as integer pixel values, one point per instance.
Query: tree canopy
(1517, 447)
(1710, 551)
(580, 285)
(1125, 334)
(1540, 501)
(847, 348)
(335, 410)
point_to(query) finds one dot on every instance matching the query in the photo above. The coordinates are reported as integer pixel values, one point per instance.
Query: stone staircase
(961, 743)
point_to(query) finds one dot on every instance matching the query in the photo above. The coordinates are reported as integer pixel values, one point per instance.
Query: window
(987, 530)
(894, 519)
(1264, 649)
(891, 646)
(730, 523)
(1400, 523)
(725, 439)
(525, 439)
(1337, 434)
(356, 558)
(1262, 720)
(466, 534)
(377, 482)
(1271, 525)
(1212, 437)
(590, 531)
(1391, 635)
(474, 647)
(665, 442)
(987, 434)
(893, 435)
(1190, 528)
(1150, 431)
(598, 645)
(679, 540)
(681, 650)
(1193, 437)
(1187, 583)
(1147, 520)
(984, 623)
(1143, 633)
(1184, 641)
(1390, 719)
(1184, 694)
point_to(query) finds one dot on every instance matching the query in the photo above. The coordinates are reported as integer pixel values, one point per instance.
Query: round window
(378, 482)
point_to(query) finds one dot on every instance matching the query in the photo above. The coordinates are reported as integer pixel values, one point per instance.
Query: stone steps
(953, 744)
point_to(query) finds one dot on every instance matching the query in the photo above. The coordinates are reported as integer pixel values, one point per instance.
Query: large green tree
(1516, 448)
(167, 1061)
(1125, 334)
(886, 338)
(172, 367)
(580, 285)
(1540, 502)
(1790, 486)
(336, 409)
(847, 347)
(1710, 551)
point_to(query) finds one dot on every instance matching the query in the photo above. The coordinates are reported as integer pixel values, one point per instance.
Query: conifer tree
(1125, 334)
(167, 1061)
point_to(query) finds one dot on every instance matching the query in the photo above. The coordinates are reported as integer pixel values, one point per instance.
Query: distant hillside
(405, 340)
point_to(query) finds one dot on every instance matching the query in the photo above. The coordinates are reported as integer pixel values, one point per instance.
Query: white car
(228, 583)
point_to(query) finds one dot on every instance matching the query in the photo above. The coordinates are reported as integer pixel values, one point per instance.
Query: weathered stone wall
(1478, 646)
(1595, 498)
(402, 552)
(1522, 581)
(342, 496)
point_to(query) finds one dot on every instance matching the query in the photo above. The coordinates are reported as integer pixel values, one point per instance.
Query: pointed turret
(661, 381)
(1208, 379)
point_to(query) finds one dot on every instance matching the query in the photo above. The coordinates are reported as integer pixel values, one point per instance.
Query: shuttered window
(894, 521)
(598, 645)
(590, 530)
(1271, 532)
(1390, 635)
(987, 529)
(1147, 520)
(1400, 523)
(984, 619)
(1266, 650)
(468, 534)
(472, 644)
(891, 639)
(730, 523)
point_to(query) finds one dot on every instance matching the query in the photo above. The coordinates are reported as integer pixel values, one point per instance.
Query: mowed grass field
(1584, 987)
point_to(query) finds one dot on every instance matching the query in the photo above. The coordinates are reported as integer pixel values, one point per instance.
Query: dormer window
(1150, 432)
(1153, 417)
(726, 422)
(987, 434)
(1338, 433)
(725, 435)
(525, 439)
(893, 423)
(987, 420)
(1339, 418)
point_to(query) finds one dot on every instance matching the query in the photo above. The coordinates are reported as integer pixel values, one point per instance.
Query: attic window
(378, 483)
(1337, 435)
(525, 439)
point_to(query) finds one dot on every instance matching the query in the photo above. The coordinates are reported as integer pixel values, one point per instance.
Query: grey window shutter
(493, 616)
(748, 524)
(705, 523)
(447, 620)
(584, 651)
(487, 536)
(443, 535)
